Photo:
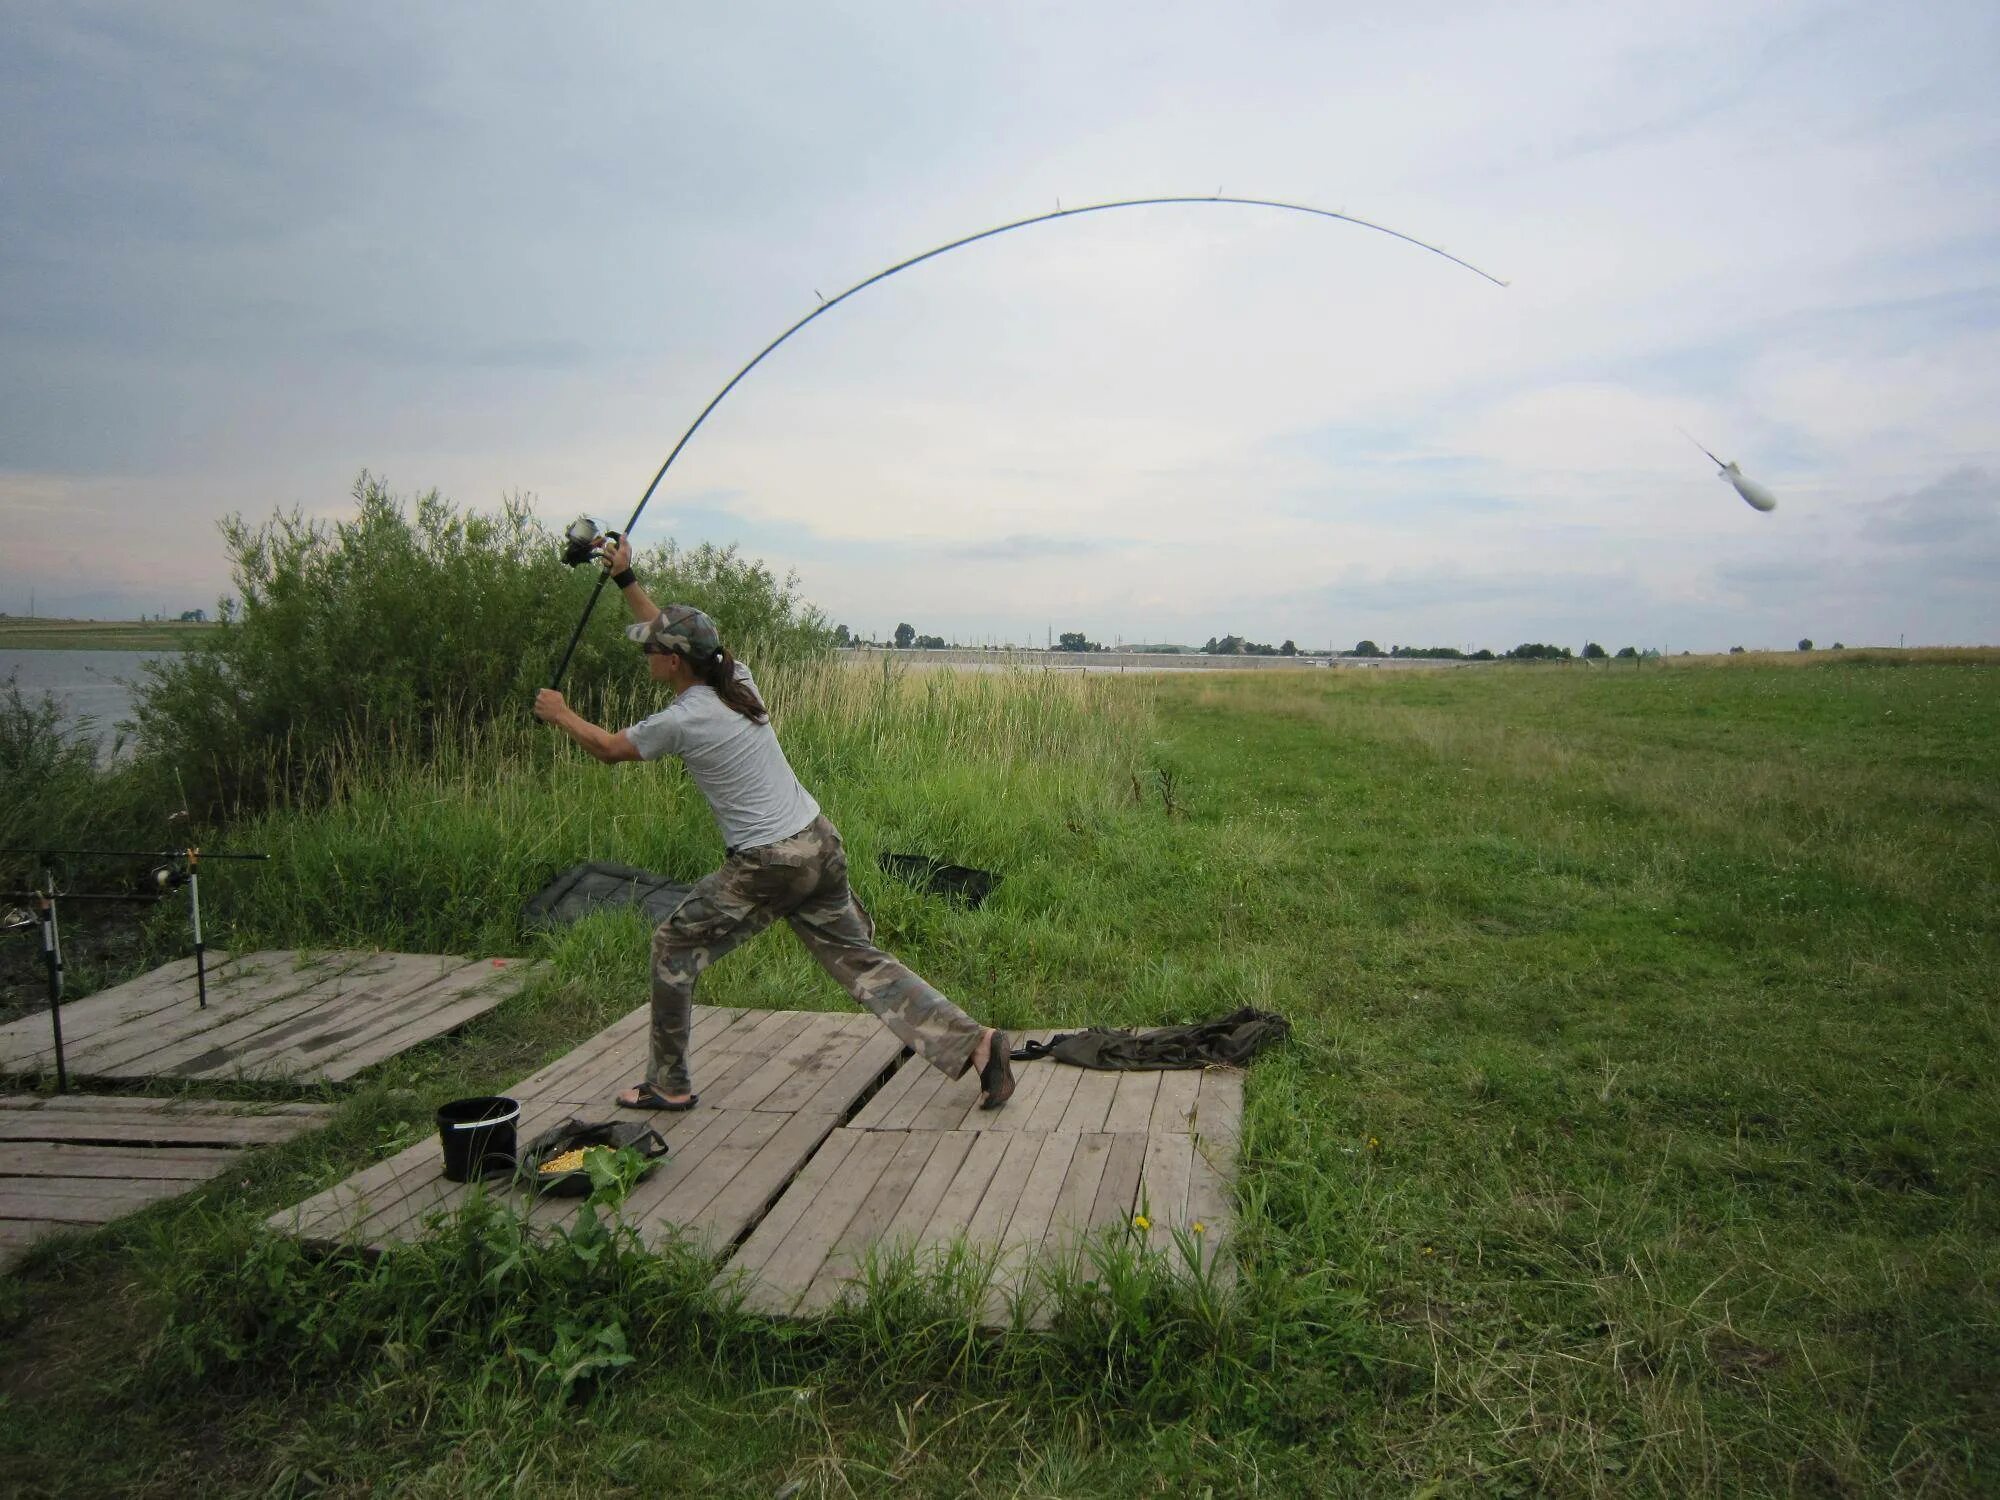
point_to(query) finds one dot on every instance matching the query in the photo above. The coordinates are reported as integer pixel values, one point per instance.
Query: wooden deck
(1075, 1153)
(271, 1017)
(817, 1141)
(773, 1086)
(77, 1161)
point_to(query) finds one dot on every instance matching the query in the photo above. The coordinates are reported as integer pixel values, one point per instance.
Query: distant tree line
(1236, 645)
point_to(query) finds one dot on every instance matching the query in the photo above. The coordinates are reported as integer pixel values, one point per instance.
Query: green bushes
(53, 792)
(403, 627)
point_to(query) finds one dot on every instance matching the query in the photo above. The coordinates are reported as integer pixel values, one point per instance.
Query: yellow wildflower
(1140, 1221)
(1198, 1226)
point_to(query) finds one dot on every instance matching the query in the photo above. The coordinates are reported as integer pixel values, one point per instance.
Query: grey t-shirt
(737, 764)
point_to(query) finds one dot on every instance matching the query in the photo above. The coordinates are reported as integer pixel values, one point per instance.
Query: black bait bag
(574, 1134)
(1232, 1040)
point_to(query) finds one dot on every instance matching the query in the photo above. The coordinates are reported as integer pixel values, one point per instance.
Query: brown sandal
(651, 1098)
(996, 1079)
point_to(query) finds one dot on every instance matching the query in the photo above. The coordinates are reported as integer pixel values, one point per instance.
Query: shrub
(409, 623)
(53, 791)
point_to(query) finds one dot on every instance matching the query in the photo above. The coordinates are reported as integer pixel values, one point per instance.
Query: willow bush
(405, 625)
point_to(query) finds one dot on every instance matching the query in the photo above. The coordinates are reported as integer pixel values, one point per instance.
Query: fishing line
(828, 304)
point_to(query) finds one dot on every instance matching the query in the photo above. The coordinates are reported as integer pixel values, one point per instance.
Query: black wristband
(626, 579)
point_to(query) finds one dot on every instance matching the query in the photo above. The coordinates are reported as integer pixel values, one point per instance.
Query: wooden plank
(961, 1199)
(548, 1078)
(848, 1257)
(822, 1030)
(1070, 1220)
(940, 1170)
(1048, 1111)
(325, 1214)
(61, 1159)
(1013, 1278)
(1218, 1120)
(179, 1104)
(730, 1146)
(874, 1057)
(988, 1224)
(1174, 1109)
(1132, 1102)
(251, 989)
(1163, 1189)
(474, 998)
(950, 1105)
(301, 1032)
(844, 1035)
(785, 1274)
(925, 1087)
(379, 1049)
(96, 1200)
(162, 1129)
(1088, 1106)
(237, 1016)
(1118, 1189)
(762, 1180)
(107, 1009)
(1030, 1080)
(1211, 1208)
(792, 1207)
(896, 1103)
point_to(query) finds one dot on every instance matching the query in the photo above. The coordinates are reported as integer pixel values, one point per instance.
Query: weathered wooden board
(76, 1161)
(275, 1016)
(796, 1204)
(772, 1086)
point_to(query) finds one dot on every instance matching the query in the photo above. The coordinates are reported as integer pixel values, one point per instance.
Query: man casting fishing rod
(784, 857)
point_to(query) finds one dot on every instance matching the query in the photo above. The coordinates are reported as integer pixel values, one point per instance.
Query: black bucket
(478, 1136)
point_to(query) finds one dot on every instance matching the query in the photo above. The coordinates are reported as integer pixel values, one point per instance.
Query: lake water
(90, 685)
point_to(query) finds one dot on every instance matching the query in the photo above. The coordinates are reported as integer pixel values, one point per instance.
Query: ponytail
(719, 673)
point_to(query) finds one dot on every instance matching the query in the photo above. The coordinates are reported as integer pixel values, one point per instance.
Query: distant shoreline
(18, 633)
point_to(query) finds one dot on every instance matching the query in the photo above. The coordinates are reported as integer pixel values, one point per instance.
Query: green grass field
(20, 634)
(1637, 1136)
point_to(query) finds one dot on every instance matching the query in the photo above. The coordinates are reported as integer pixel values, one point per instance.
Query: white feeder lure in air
(1753, 493)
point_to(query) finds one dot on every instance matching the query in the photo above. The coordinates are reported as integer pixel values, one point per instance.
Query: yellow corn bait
(569, 1161)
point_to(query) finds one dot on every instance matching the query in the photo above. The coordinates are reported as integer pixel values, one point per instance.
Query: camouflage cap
(682, 628)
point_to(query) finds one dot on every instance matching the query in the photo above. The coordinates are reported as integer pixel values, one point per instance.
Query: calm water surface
(94, 687)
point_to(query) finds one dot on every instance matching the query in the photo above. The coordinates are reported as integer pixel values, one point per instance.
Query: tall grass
(435, 844)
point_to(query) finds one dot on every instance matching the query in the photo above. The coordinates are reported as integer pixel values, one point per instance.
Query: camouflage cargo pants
(804, 880)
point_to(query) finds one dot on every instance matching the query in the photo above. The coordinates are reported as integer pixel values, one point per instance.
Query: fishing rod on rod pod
(179, 869)
(583, 541)
(50, 925)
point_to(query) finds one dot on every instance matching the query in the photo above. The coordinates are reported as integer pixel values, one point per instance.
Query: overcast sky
(251, 250)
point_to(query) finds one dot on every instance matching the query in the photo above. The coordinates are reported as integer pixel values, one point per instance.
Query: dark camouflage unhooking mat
(576, 893)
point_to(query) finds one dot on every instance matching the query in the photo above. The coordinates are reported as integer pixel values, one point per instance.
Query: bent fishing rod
(583, 537)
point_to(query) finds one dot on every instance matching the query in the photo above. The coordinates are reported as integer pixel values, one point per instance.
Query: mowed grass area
(1638, 1134)
(20, 634)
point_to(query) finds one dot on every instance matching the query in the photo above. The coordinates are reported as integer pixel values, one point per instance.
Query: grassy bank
(1636, 1136)
(18, 634)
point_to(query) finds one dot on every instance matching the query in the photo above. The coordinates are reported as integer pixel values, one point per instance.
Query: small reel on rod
(168, 878)
(583, 541)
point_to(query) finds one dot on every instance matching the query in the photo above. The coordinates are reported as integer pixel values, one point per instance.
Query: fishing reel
(169, 878)
(583, 541)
